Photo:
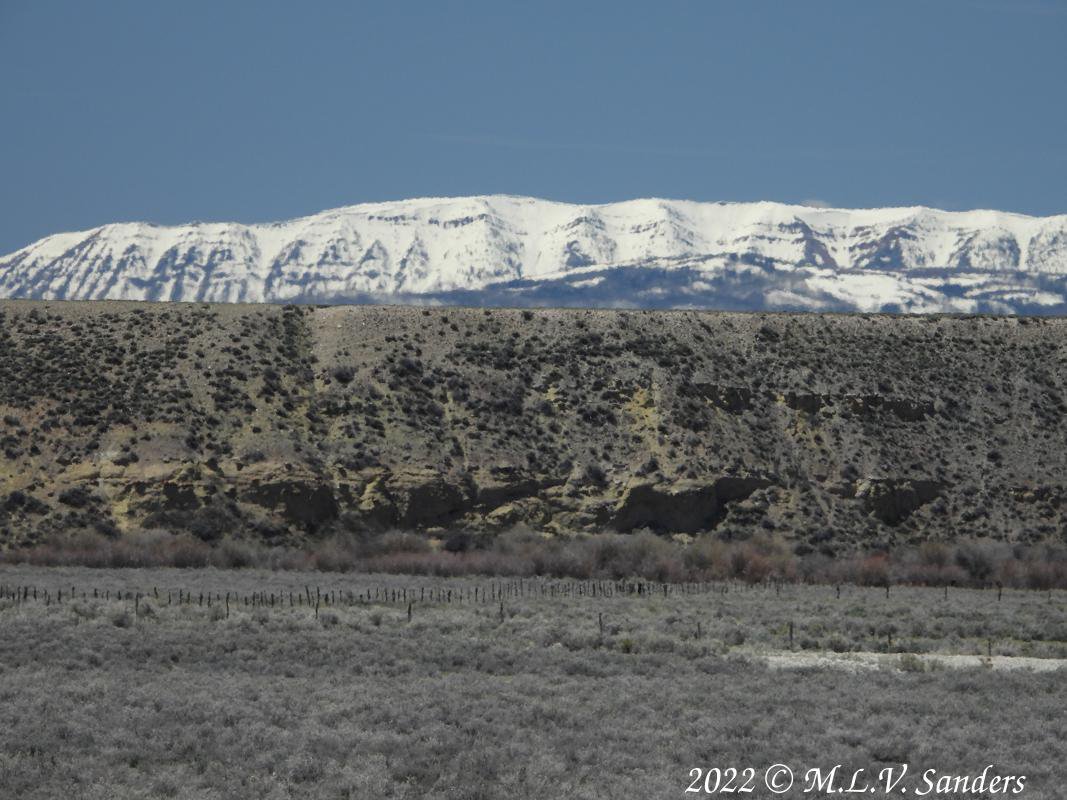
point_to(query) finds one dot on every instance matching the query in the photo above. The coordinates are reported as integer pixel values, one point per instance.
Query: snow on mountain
(517, 251)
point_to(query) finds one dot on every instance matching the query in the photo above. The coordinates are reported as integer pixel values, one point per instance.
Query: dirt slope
(284, 423)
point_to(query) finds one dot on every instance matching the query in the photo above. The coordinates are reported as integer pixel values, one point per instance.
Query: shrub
(933, 554)
(329, 619)
(874, 570)
(121, 618)
(909, 662)
(458, 542)
(186, 552)
(343, 374)
(977, 559)
(735, 637)
(75, 497)
(524, 552)
(333, 555)
(234, 554)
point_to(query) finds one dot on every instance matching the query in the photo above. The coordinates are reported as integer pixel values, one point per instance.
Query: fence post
(790, 634)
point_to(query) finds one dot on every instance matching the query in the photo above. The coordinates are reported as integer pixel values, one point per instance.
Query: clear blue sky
(254, 111)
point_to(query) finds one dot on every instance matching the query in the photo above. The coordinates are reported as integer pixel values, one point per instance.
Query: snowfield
(525, 251)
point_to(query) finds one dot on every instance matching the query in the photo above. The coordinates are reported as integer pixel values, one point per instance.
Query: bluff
(290, 423)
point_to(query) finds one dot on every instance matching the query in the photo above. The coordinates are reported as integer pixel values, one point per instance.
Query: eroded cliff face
(293, 423)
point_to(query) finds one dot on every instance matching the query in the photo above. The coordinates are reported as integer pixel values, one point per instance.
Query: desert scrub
(909, 662)
(121, 618)
(329, 619)
(916, 619)
(271, 703)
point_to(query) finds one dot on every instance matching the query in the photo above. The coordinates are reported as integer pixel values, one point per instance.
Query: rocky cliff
(291, 423)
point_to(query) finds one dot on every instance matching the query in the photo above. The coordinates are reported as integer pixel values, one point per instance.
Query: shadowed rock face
(424, 498)
(893, 501)
(291, 423)
(307, 503)
(685, 506)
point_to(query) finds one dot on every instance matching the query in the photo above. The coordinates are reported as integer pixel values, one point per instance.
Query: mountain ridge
(755, 256)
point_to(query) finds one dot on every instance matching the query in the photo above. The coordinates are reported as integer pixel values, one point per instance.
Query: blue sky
(254, 111)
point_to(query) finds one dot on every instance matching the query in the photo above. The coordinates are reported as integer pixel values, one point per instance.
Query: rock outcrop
(687, 506)
(893, 501)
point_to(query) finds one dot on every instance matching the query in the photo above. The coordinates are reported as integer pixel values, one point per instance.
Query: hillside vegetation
(289, 424)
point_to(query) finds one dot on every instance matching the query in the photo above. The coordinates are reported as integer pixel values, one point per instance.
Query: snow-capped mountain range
(505, 250)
